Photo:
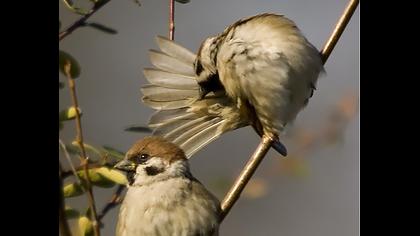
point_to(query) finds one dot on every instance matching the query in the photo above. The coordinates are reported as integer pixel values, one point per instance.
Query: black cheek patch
(130, 177)
(151, 170)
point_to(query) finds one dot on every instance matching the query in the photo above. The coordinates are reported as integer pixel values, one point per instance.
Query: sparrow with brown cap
(163, 197)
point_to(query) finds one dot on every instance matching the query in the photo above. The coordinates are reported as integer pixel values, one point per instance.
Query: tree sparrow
(260, 71)
(163, 198)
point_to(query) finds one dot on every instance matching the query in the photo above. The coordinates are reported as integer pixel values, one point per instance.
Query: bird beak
(125, 165)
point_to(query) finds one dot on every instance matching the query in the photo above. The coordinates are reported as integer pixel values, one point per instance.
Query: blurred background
(314, 191)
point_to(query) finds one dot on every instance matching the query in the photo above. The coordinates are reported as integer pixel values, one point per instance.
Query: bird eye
(141, 158)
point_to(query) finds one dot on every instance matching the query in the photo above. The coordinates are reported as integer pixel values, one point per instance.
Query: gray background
(325, 202)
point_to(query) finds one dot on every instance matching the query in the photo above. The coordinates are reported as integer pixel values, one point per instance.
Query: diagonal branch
(234, 193)
(339, 29)
(83, 158)
(82, 20)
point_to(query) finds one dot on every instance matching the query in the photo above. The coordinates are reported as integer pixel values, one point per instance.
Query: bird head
(153, 159)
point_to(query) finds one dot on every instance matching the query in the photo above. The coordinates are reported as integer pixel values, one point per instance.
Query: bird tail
(182, 117)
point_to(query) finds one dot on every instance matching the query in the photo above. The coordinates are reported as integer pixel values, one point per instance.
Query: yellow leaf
(93, 176)
(85, 226)
(68, 114)
(112, 175)
(71, 112)
(96, 178)
(72, 190)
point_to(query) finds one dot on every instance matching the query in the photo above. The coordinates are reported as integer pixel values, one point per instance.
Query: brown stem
(338, 30)
(64, 226)
(83, 158)
(171, 19)
(115, 200)
(80, 22)
(235, 191)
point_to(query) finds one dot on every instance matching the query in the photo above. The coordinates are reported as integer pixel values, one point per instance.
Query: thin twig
(65, 174)
(171, 19)
(80, 22)
(64, 226)
(235, 191)
(338, 30)
(83, 158)
(115, 200)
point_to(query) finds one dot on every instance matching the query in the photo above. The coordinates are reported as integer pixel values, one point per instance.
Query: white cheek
(142, 177)
(156, 162)
(176, 169)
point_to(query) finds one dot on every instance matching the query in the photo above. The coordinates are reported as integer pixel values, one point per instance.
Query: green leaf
(72, 149)
(64, 57)
(138, 129)
(137, 2)
(68, 114)
(96, 178)
(183, 1)
(93, 176)
(88, 211)
(88, 148)
(113, 175)
(104, 183)
(60, 125)
(113, 152)
(71, 213)
(102, 28)
(73, 190)
(85, 226)
(80, 11)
